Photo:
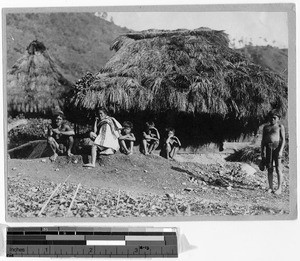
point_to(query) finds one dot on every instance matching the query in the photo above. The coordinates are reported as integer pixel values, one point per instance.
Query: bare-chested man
(272, 144)
(60, 137)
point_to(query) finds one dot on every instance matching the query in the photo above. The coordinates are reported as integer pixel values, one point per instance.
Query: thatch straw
(34, 83)
(248, 155)
(190, 71)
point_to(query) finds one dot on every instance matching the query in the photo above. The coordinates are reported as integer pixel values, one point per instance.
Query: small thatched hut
(207, 87)
(35, 85)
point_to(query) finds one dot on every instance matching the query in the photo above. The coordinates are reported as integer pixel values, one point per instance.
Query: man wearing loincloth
(60, 136)
(272, 144)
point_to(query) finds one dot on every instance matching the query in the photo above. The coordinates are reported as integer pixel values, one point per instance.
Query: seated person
(60, 136)
(127, 138)
(150, 139)
(171, 144)
(105, 136)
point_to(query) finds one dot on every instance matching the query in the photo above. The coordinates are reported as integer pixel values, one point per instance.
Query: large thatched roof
(34, 83)
(183, 70)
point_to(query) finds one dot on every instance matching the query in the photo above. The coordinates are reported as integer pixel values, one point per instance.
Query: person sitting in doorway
(171, 144)
(105, 136)
(150, 139)
(127, 138)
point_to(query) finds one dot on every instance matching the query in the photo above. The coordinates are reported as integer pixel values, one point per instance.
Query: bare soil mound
(137, 186)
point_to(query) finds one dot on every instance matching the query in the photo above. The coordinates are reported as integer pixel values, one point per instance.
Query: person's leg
(153, 146)
(278, 169)
(130, 147)
(270, 179)
(54, 147)
(70, 145)
(123, 147)
(145, 146)
(269, 165)
(168, 150)
(93, 156)
(173, 151)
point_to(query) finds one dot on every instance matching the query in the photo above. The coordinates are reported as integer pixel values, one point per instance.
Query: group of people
(109, 136)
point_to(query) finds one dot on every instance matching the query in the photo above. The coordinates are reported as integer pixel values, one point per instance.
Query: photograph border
(288, 8)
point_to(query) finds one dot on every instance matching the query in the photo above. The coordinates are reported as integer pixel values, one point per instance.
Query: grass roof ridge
(190, 71)
(153, 33)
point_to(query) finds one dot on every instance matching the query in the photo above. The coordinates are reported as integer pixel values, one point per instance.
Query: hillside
(78, 42)
(269, 57)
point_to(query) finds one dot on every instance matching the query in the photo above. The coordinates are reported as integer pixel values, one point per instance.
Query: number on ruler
(144, 247)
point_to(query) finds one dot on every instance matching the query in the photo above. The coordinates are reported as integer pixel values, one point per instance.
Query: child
(150, 138)
(127, 138)
(272, 144)
(171, 144)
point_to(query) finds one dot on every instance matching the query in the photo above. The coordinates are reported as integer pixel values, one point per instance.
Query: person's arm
(68, 131)
(178, 141)
(146, 136)
(122, 137)
(262, 145)
(157, 134)
(95, 125)
(131, 137)
(167, 140)
(282, 138)
(49, 130)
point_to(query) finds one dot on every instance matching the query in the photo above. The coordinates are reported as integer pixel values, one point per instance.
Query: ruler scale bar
(144, 238)
(105, 243)
(91, 242)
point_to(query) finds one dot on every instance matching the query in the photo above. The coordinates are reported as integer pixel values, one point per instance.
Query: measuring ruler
(91, 242)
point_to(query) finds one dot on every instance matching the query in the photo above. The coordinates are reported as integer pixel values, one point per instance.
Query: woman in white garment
(105, 136)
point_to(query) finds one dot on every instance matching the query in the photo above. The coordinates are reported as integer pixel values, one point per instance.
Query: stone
(171, 195)
(247, 169)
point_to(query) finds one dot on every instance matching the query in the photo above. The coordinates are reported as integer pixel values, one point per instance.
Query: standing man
(60, 136)
(272, 144)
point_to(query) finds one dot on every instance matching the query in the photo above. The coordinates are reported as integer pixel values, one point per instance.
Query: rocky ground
(138, 186)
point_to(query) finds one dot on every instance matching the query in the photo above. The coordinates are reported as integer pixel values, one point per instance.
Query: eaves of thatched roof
(35, 83)
(183, 70)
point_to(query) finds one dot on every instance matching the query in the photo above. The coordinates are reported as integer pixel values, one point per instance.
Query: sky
(261, 28)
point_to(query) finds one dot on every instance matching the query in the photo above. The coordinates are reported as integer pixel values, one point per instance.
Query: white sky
(255, 25)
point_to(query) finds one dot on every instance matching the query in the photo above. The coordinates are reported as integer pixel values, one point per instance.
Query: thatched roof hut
(35, 85)
(183, 71)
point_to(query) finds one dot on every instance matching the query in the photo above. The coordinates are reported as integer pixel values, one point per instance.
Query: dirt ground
(139, 185)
